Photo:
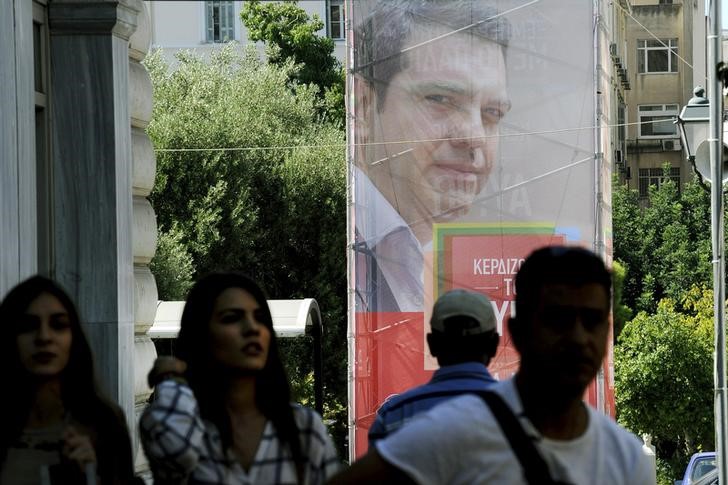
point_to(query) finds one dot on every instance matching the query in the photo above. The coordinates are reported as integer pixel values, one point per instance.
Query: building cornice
(93, 17)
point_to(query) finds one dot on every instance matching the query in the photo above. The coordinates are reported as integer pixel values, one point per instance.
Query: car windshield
(710, 479)
(703, 466)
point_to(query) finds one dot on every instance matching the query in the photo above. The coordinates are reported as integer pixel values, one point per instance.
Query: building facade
(664, 56)
(204, 26)
(76, 167)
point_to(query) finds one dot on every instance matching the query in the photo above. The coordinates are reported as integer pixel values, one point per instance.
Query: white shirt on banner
(393, 245)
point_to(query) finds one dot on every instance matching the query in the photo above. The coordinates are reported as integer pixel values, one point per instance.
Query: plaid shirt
(184, 448)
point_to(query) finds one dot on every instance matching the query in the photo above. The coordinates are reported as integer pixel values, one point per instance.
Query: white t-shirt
(460, 442)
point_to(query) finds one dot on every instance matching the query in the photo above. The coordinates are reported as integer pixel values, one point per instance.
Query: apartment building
(664, 59)
(203, 26)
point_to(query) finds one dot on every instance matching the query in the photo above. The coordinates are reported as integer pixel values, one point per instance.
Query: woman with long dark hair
(55, 424)
(222, 410)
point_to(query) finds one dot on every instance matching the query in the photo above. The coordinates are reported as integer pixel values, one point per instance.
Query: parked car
(700, 470)
(710, 478)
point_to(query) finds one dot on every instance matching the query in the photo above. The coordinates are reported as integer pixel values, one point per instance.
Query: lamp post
(693, 122)
(715, 146)
(699, 120)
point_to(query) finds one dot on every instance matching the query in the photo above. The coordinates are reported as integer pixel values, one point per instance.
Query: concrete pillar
(18, 248)
(92, 177)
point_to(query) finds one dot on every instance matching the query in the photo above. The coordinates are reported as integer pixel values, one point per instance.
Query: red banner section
(391, 354)
(390, 351)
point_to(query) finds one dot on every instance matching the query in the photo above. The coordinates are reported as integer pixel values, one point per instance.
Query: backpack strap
(534, 466)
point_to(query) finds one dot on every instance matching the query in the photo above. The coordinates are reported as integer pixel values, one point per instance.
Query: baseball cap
(456, 303)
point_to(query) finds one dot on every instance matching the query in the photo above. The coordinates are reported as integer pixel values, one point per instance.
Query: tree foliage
(172, 265)
(291, 35)
(665, 246)
(256, 183)
(663, 357)
(621, 312)
(664, 376)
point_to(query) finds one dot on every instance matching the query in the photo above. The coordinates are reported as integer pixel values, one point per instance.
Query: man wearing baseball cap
(463, 339)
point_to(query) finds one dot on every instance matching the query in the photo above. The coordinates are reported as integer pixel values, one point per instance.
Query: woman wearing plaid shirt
(222, 412)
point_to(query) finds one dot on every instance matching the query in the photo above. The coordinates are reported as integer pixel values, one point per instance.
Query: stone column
(92, 178)
(145, 223)
(18, 248)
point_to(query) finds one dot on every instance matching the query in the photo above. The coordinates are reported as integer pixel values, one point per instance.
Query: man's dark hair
(451, 347)
(569, 265)
(382, 34)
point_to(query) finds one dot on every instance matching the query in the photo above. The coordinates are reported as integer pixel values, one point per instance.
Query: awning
(291, 318)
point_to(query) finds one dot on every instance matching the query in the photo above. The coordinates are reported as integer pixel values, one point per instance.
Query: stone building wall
(143, 217)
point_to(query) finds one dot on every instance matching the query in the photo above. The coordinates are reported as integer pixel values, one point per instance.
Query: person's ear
(433, 343)
(495, 341)
(515, 328)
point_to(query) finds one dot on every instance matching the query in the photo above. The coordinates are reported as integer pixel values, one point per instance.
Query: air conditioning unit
(671, 145)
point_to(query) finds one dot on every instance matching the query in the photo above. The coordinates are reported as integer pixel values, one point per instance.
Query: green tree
(172, 266)
(664, 246)
(622, 313)
(664, 377)
(290, 34)
(254, 180)
(663, 359)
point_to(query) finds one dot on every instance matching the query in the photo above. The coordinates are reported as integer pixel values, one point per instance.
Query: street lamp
(699, 122)
(693, 123)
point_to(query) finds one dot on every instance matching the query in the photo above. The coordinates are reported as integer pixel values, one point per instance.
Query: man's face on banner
(439, 120)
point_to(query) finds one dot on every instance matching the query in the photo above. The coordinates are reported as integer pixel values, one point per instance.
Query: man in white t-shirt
(560, 330)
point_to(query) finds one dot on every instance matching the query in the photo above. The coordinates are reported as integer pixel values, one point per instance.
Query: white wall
(179, 25)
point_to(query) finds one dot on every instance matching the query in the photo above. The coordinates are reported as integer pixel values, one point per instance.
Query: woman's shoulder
(308, 420)
(116, 413)
(104, 417)
(315, 438)
(304, 413)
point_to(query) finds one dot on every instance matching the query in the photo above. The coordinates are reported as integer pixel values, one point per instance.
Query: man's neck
(555, 416)
(446, 362)
(423, 232)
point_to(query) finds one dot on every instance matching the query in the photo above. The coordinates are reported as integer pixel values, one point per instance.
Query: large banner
(473, 140)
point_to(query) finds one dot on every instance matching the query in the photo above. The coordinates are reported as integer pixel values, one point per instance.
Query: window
(657, 56)
(621, 122)
(656, 120)
(220, 21)
(337, 29)
(657, 176)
